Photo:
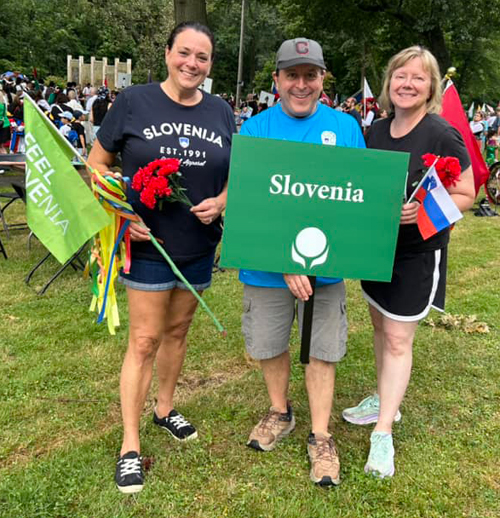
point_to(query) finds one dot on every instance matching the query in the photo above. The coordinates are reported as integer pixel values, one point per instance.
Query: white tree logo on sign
(310, 245)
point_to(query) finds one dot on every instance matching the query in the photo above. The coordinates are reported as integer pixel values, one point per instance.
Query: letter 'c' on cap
(298, 52)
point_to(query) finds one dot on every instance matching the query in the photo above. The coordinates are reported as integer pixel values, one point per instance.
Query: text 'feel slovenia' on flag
(61, 210)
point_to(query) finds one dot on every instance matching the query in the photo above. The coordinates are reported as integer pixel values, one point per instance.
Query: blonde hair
(429, 64)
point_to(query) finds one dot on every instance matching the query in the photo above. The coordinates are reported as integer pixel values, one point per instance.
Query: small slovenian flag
(437, 209)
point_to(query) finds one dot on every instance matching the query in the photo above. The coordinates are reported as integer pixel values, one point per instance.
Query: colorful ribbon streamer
(111, 249)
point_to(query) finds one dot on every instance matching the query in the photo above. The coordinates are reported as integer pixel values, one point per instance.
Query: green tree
(45, 32)
(263, 35)
(40, 34)
(360, 36)
(128, 31)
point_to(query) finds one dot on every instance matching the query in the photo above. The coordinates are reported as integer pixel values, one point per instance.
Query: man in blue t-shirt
(269, 298)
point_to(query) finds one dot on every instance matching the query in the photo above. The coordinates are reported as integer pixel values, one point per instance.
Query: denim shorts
(147, 275)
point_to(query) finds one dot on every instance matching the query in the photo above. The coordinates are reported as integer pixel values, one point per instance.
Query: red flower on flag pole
(448, 168)
(437, 209)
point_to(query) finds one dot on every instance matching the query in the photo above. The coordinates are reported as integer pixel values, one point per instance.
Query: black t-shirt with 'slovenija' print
(144, 124)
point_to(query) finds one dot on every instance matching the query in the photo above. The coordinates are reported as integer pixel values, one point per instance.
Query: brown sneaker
(271, 428)
(325, 464)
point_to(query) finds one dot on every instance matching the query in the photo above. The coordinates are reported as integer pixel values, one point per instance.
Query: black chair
(13, 165)
(11, 197)
(18, 194)
(2, 249)
(75, 261)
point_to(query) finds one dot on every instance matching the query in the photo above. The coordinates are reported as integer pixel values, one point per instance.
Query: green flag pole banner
(61, 210)
(311, 209)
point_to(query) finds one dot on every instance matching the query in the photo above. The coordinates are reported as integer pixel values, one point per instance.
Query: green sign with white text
(313, 209)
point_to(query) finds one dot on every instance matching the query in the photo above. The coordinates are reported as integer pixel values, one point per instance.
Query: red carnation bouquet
(158, 181)
(447, 167)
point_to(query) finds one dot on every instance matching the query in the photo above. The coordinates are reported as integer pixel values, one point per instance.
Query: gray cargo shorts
(269, 313)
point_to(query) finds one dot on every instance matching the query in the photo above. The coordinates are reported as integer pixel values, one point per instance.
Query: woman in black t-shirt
(16, 108)
(412, 95)
(173, 119)
(99, 109)
(60, 105)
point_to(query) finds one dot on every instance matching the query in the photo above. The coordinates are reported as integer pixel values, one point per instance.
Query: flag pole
(413, 194)
(240, 55)
(363, 97)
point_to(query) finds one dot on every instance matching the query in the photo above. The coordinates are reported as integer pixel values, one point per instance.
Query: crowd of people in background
(86, 106)
(485, 126)
(485, 123)
(366, 112)
(76, 111)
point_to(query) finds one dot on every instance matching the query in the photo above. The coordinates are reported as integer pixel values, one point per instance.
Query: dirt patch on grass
(491, 478)
(190, 386)
(7, 356)
(195, 380)
(472, 274)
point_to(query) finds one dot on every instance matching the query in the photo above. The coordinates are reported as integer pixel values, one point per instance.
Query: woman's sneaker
(381, 458)
(177, 425)
(129, 476)
(366, 412)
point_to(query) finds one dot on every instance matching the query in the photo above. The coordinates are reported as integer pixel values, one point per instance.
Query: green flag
(61, 210)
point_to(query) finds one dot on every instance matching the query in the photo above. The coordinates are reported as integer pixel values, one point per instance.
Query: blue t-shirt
(324, 126)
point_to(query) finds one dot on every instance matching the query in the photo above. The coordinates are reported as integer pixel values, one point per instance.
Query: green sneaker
(366, 412)
(381, 458)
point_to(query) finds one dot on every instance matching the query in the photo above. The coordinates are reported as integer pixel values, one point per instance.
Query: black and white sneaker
(129, 476)
(178, 426)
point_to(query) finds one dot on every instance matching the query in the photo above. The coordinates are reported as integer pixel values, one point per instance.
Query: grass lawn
(60, 415)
